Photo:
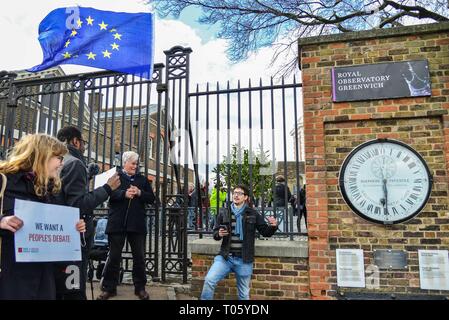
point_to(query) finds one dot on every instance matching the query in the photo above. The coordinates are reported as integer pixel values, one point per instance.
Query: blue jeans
(191, 218)
(220, 269)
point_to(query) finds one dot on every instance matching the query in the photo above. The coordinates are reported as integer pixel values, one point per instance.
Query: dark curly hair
(67, 134)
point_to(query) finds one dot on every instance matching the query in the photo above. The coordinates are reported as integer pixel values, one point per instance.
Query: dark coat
(75, 193)
(252, 221)
(22, 281)
(204, 202)
(279, 195)
(127, 215)
(75, 184)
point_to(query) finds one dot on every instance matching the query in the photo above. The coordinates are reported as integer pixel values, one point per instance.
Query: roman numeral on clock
(414, 196)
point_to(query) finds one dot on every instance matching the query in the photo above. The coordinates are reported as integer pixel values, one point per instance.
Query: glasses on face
(85, 143)
(239, 193)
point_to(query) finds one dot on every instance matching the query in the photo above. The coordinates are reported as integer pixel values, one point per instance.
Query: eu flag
(117, 41)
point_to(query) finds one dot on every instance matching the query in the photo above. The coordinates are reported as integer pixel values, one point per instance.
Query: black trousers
(111, 272)
(77, 294)
(62, 292)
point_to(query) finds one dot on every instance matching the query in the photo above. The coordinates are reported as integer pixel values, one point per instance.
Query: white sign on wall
(434, 269)
(350, 268)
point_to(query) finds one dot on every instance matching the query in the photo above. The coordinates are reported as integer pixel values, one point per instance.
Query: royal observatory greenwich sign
(381, 81)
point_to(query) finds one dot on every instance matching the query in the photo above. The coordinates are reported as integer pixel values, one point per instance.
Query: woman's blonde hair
(32, 154)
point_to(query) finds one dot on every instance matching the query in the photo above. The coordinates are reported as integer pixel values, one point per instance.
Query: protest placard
(48, 233)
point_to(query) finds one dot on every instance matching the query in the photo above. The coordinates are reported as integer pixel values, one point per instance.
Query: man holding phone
(236, 227)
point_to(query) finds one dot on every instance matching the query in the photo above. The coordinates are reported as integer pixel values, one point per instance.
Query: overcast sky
(19, 21)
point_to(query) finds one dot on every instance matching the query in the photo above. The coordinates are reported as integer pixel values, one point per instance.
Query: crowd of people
(41, 168)
(44, 169)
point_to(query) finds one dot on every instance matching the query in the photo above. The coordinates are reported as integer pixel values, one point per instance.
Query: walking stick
(126, 214)
(92, 285)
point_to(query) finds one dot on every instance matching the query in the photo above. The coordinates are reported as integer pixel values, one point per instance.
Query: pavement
(156, 291)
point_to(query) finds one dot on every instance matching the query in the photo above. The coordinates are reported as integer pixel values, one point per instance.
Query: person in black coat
(127, 221)
(32, 172)
(281, 193)
(75, 176)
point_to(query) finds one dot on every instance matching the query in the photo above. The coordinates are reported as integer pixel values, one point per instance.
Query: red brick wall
(273, 279)
(332, 130)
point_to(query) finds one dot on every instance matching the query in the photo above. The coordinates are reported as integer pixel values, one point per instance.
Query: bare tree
(253, 24)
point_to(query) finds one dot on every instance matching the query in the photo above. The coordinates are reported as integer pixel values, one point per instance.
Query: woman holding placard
(32, 173)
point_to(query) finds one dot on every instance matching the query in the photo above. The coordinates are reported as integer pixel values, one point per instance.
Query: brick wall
(273, 279)
(332, 130)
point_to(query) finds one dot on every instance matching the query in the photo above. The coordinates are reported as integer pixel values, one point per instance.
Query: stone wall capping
(264, 248)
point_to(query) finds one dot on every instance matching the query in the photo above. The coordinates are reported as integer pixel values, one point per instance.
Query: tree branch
(423, 12)
(392, 19)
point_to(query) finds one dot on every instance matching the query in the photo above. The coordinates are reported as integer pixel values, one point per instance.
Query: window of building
(161, 151)
(150, 148)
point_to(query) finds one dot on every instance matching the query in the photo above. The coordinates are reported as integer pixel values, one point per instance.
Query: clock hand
(385, 200)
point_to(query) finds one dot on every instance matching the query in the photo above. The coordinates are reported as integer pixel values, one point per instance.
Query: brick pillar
(332, 130)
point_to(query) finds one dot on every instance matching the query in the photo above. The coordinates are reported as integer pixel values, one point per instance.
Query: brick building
(332, 130)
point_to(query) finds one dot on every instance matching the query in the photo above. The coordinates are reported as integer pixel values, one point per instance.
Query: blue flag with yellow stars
(116, 41)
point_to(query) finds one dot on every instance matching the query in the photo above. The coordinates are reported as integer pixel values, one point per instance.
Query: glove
(92, 170)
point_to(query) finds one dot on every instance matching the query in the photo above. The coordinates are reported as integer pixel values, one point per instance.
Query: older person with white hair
(127, 221)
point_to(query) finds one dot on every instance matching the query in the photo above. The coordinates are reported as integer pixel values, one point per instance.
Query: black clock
(385, 181)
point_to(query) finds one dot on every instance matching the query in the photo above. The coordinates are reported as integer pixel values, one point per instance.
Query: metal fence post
(10, 90)
(174, 256)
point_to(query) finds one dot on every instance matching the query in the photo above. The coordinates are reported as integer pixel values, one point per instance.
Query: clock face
(385, 181)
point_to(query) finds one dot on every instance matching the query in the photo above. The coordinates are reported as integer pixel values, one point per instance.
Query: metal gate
(116, 113)
(119, 112)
